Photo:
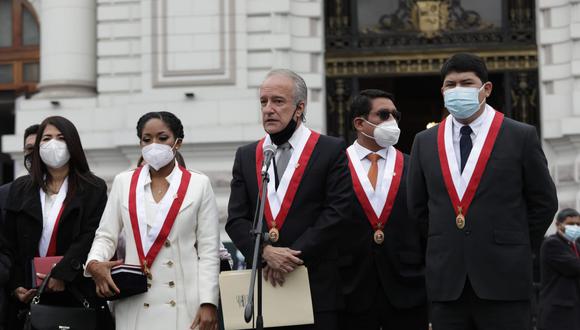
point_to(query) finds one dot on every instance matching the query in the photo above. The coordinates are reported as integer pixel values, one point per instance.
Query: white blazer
(192, 248)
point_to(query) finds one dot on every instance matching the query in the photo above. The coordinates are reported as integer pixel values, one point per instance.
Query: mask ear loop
(175, 144)
(365, 134)
(485, 98)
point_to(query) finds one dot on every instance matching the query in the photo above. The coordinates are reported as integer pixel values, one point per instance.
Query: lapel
(312, 161)
(191, 190)
(254, 181)
(74, 204)
(31, 204)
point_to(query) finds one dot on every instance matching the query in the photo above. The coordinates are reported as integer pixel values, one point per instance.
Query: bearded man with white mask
(383, 262)
(480, 187)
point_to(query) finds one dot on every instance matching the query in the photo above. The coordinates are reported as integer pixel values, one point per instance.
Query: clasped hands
(280, 261)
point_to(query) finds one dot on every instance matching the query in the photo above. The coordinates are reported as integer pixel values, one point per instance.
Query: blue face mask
(462, 102)
(572, 232)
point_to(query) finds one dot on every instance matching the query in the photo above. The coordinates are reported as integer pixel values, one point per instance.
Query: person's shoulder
(248, 148)
(198, 179)
(19, 190)
(553, 240)
(429, 133)
(21, 183)
(5, 188)
(198, 175)
(100, 183)
(327, 141)
(124, 176)
(517, 126)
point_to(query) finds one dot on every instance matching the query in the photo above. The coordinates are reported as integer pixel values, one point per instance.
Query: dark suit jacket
(560, 293)
(395, 267)
(4, 190)
(512, 208)
(312, 226)
(4, 259)
(76, 230)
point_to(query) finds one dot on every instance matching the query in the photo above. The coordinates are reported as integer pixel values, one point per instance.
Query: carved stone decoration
(338, 112)
(430, 18)
(428, 24)
(524, 97)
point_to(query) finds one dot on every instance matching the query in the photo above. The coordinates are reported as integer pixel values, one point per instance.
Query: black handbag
(49, 317)
(130, 280)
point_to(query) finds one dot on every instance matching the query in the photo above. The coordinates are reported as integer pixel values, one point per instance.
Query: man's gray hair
(300, 89)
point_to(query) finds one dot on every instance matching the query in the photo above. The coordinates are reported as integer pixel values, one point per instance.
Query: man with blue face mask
(479, 185)
(382, 258)
(560, 264)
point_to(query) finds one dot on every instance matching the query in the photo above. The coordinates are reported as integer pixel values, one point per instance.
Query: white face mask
(158, 155)
(54, 153)
(386, 134)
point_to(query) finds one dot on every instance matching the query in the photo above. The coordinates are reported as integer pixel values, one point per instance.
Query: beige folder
(290, 304)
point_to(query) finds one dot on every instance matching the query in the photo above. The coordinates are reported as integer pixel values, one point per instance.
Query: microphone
(269, 152)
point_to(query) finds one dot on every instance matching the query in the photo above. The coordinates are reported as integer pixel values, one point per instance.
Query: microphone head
(269, 149)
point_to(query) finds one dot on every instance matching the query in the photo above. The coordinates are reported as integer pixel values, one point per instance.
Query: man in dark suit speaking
(309, 196)
(479, 183)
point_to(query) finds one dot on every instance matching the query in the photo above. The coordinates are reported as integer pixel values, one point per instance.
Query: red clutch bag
(43, 265)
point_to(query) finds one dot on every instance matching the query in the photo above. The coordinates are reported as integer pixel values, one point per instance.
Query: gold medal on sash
(379, 236)
(274, 234)
(460, 219)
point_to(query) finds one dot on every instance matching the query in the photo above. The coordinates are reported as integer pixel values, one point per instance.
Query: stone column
(68, 48)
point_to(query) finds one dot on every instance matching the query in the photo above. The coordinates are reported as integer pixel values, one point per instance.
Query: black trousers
(470, 312)
(322, 321)
(385, 316)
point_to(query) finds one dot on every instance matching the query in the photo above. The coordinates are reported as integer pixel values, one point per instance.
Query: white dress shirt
(363, 152)
(293, 140)
(152, 208)
(476, 126)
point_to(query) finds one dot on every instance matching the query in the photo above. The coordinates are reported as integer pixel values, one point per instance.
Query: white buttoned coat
(185, 272)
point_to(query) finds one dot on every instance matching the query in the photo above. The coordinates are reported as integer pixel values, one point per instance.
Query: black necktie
(465, 144)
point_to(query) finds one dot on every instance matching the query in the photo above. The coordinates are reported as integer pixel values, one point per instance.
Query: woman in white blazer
(172, 213)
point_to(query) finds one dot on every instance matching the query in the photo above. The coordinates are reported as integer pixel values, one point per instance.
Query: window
(19, 46)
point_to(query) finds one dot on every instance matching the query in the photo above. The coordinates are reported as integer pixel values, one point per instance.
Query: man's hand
(101, 273)
(281, 259)
(273, 276)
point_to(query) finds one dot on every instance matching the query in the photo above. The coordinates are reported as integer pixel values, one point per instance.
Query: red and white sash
(377, 204)
(461, 187)
(149, 244)
(278, 202)
(47, 244)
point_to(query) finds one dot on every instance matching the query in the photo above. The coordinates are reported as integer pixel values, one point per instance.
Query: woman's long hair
(78, 166)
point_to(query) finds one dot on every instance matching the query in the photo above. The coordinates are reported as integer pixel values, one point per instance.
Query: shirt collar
(475, 125)
(295, 138)
(363, 152)
(167, 178)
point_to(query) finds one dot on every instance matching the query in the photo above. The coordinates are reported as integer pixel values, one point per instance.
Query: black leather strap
(74, 291)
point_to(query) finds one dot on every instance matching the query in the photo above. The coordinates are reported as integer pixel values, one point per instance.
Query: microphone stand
(257, 260)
